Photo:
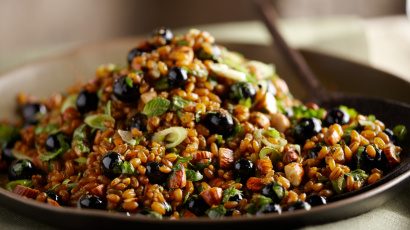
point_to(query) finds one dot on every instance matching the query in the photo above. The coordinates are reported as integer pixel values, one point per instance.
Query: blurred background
(376, 32)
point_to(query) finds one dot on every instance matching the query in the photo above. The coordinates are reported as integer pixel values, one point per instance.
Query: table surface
(382, 42)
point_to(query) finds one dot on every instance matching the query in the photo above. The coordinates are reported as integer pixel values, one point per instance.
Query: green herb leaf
(162, 84)
(359, 152)
(81, 160)
(49, 129)
(129, 82)
(66, 181)
(193, 176)
(258, 203)
(358, 175)
(400, 131)
(216, 212)
(246, 102)
(172, 136)
(339, 184)
(156, 107)
(179, 103)
(99, 121)
(219, 139)
(79, 142)
(127, 168)
(69, 102)
(107, 109)
(12, 184)
(182, 160)
(230, 192)
(352, 112)
(64, 146)
(7, 133)
(304, 112)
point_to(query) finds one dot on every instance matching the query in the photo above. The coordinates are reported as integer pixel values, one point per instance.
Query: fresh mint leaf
(156, 107)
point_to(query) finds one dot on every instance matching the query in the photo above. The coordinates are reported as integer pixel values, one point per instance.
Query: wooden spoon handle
(294, 58)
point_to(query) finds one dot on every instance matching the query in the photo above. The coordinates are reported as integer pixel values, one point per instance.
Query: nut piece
(290, 154)
(264, 165)
(255, 184)
(392, 154)
(177, 178)
(334, 134)
(212, 196)
(225, 158)
(294, 173)
(26, 191)
(280, 122)
(203, 157)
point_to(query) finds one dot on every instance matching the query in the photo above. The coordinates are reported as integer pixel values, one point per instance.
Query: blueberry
(316, 200)
(126, 92)
(111, 164)
(298, 205)
(177, 77)
(31, 111)
(164, 34)
(270, 208)
(367, 163)
(153, 173)
(241, 91)
(138, 121)
(92, 202)
(336, 116)
(391, 135)
(7, 150)
(21, 169)
(306, 128)
(237, 198)
(219, 122)
(197, 206)
(244, 169)
(52, 195)
(53, 142)
(86, 102)
(133, 53)
(273, 191)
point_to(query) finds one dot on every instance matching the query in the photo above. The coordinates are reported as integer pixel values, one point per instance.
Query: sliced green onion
(400, 131)
(173, 136)
(12, 184)
(127, 137)
(69, 102)
(225, 71)
(99, 121)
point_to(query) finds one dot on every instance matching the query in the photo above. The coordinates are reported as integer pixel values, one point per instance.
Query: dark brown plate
(47, 76)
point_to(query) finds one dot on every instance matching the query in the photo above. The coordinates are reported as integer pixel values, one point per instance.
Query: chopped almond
(26, 191)
(264, 165)
(212, 196)
(225, 158)
(178, 178)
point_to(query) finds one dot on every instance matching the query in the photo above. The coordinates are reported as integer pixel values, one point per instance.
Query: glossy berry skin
(268, 191)
(138, 121)
(177, 77)
(21, 169)
(306, 128)
(367, 163)
(124, 92)
(163, 33)
(241, 91)
(153, 173)
(7, 150)
(236, 198)
(86, 102)
(197, 206)
(30, 112)
(111, 164)
(271, 208)
(52, 195)
(219, 122)
(92, 202)
(336, 116)
(316, 200)
(133, 53)
(244, 169)
(302, 205)
(52, 142)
